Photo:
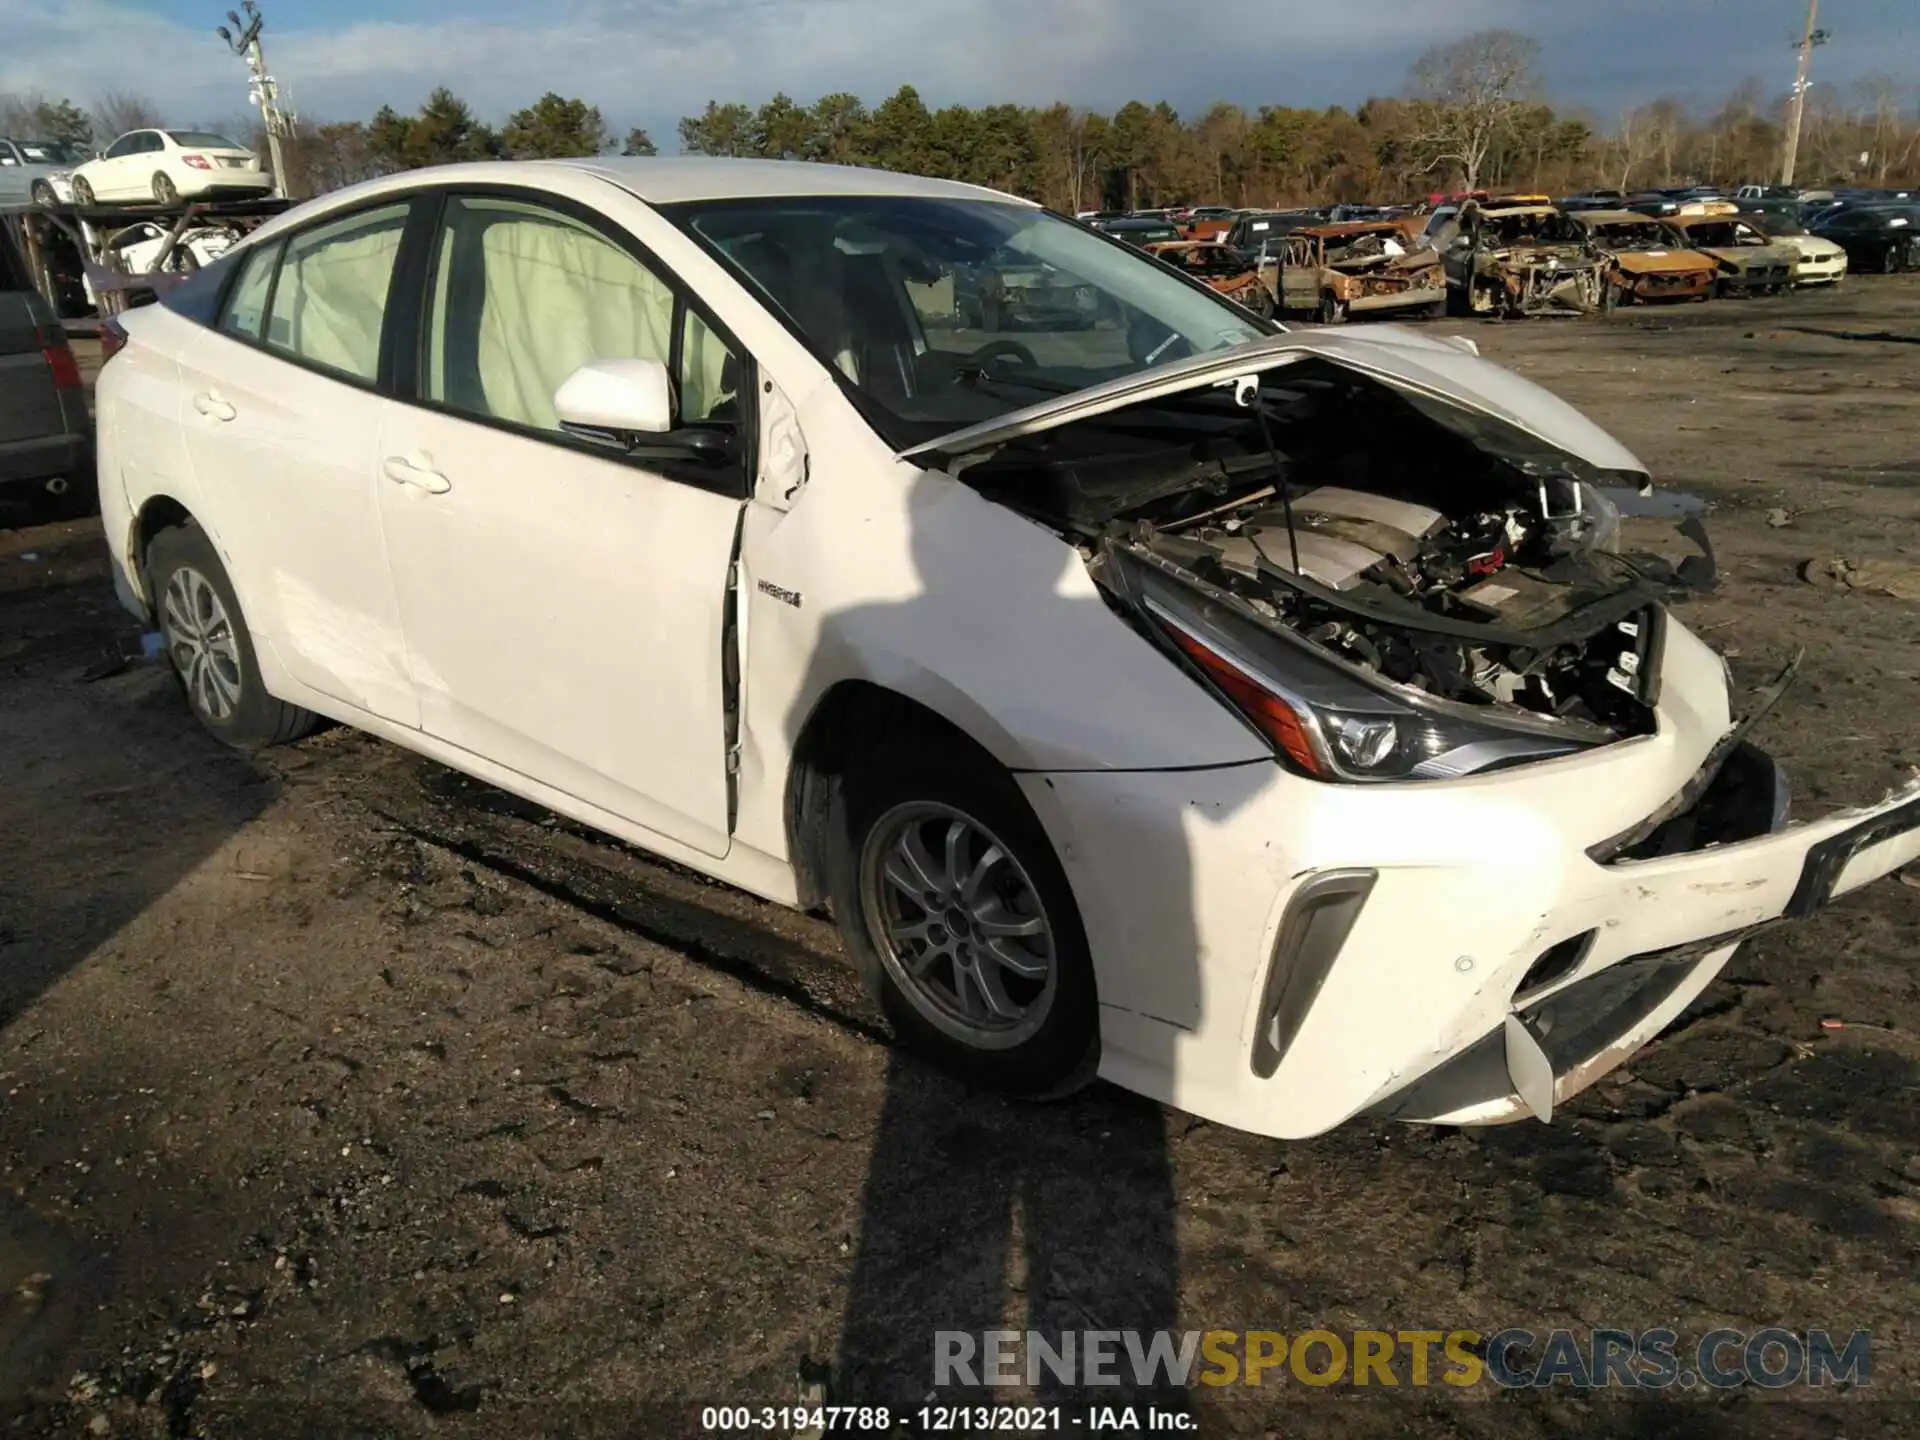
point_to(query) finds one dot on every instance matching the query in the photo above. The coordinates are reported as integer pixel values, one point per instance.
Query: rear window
(203, 140)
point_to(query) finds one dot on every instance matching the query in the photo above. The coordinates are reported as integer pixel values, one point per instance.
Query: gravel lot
(342, 1096)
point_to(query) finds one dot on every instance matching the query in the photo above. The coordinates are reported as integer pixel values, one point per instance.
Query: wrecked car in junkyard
(1362, 267)
(1011, 292)
(1272, 722)
(1817, 261)
(1651, 260)
(1749, 262)
(1221, 268)
(1520, 260)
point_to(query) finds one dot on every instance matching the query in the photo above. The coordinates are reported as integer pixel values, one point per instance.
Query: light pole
(244, 40)
(1805, 46)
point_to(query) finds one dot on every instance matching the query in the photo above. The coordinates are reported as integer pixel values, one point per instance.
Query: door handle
(405, 470)
(210, 404)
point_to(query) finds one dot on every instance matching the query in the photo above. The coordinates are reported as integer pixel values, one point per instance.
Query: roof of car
(663, 180)
(1625, 217)
(1501, 212)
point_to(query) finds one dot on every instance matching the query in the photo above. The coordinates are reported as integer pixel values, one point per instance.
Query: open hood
(1495, 408)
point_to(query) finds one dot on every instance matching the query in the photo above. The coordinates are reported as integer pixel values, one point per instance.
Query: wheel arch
(156, 513)
(850, 720)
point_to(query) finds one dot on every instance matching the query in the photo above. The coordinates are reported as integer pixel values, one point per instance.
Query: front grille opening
(1556, 962)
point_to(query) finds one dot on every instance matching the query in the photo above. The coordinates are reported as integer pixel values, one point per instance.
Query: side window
(245, 314)
(522, 297)
(332, 294)
(123, 146)
(709, 380)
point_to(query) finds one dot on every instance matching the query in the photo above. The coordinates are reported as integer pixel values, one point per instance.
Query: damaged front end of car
(1541, 280)
(1386, 586)
(1533, 261)
(1515, 823)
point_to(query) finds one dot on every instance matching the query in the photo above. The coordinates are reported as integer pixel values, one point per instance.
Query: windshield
(1533, 227)
(50, 152)
(1634, 235)
(937, 314)
(203, 140)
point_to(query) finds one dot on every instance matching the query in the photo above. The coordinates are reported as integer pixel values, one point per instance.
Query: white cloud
(650, 61)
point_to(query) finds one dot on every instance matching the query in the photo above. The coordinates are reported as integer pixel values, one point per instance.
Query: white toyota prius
(1266, 720)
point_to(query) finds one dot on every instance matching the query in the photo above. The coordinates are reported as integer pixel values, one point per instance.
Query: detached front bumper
(1280, 955)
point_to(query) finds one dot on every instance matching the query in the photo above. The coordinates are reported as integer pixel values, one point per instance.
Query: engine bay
(1424, 551)
(1488, 608)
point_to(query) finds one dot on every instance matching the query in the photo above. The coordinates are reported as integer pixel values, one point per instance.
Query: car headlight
(1328, 722)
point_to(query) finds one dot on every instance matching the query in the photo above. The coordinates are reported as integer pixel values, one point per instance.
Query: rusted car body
(1749, 261)
(1651, 260)
(1521, 260)
(1360, 268)
(1221, 268)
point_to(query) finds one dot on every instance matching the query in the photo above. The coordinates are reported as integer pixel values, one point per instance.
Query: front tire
(209, 645)
(43, 194)
(949, 897)
(83, 192)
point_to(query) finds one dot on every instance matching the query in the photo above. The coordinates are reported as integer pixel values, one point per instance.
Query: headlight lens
(1329, 725)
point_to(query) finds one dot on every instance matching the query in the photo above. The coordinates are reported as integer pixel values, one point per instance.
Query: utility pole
(1805, 45)
(244, 40)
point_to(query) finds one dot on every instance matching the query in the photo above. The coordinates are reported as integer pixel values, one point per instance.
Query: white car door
(125, 163)
(564, 606)
(283, 428)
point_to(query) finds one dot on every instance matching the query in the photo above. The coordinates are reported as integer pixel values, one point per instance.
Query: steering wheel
(996, 349)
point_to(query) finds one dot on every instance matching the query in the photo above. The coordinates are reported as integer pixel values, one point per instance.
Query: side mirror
(616, 397)
(627, 405)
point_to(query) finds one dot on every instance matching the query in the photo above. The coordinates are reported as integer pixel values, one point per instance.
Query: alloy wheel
(202, 643)
(959, 925)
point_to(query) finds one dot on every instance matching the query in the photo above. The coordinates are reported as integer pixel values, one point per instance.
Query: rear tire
(165, 192)
(911, 868)
(209, 646)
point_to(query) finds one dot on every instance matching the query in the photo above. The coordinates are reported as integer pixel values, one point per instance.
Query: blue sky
(649, 61)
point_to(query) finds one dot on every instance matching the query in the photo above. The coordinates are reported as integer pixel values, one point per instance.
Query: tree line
(1471, 114)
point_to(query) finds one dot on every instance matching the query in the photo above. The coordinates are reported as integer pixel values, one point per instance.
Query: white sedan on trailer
(161, 167)
(1265, 720)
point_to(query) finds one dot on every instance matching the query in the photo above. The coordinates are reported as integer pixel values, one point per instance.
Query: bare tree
(119, 111)
(1638, 141)
(1469, 92)
(1881, 98)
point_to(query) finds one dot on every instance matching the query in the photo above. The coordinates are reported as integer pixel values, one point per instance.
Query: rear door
(565, 607)
(283, 420)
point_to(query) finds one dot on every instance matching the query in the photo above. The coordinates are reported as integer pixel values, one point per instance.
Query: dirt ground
(342, 1096)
